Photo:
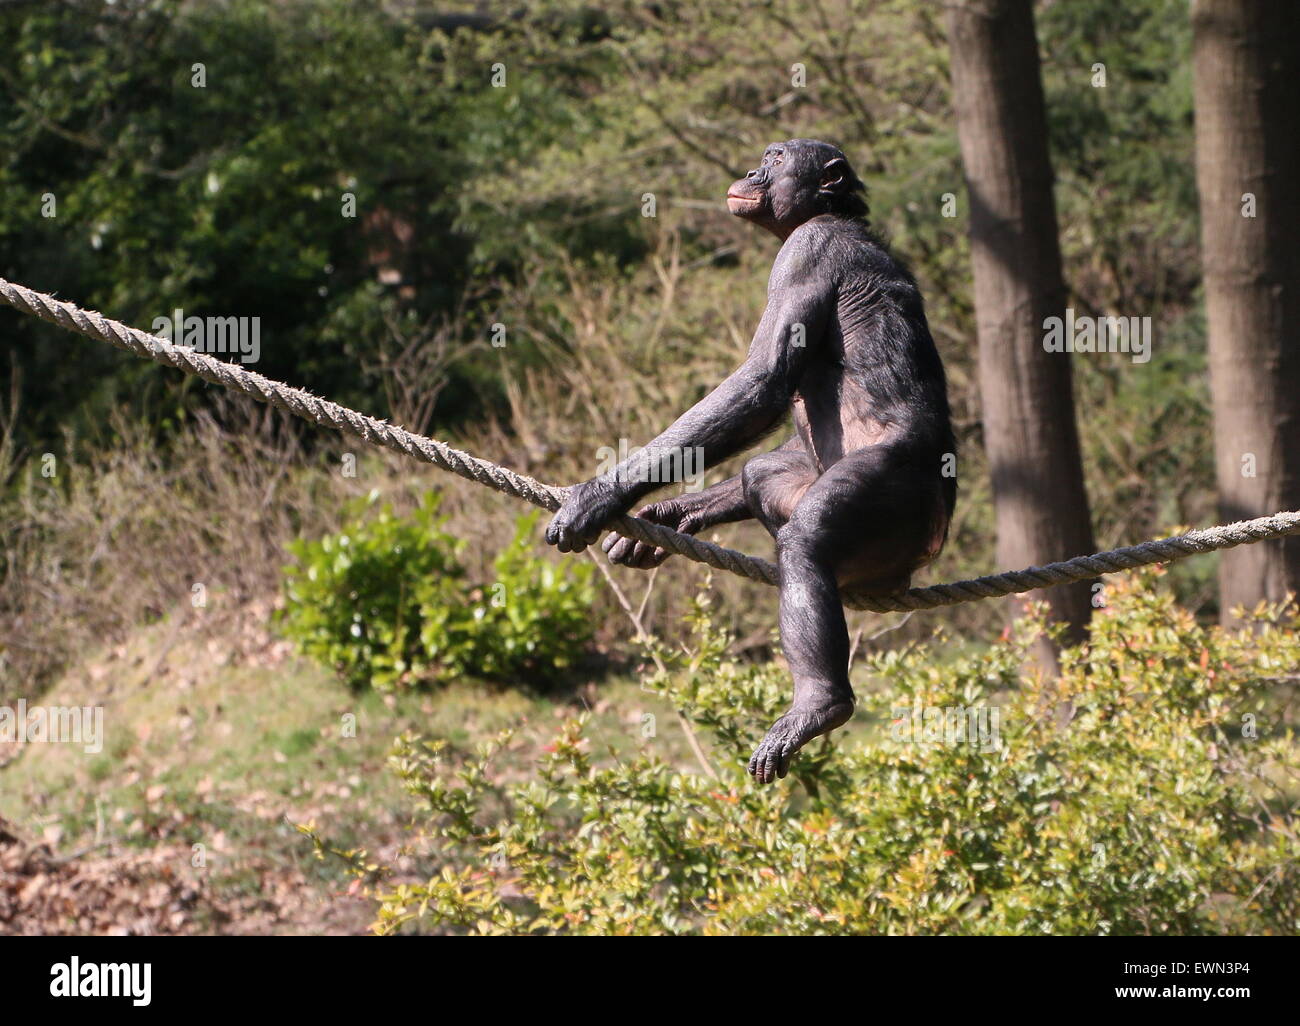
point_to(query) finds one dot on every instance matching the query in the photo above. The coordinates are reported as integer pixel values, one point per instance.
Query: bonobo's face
(797, 180)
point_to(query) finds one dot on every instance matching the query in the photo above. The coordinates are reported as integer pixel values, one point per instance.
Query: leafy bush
(1167, 804)
(385, 603)
(354, 600)
(532, 621)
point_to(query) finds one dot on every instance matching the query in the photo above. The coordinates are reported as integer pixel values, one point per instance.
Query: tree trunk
(1026, 393)
(1246, 71)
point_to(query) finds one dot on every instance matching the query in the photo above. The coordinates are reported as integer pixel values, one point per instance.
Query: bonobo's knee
(752, 475)
(773, 483)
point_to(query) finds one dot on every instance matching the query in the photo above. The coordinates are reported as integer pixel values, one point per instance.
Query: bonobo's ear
(834, 173)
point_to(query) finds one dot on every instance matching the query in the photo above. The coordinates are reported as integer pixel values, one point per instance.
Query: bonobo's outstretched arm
(688, 513)
(748, 404)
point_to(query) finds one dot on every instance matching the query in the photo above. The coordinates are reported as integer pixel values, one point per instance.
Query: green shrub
(533, 620)
(353, 600)
(1167, 804)
(386, 603)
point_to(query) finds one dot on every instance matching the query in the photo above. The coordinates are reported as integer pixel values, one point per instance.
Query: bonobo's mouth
(738, 204)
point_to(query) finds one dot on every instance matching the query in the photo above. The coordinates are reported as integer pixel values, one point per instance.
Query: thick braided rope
(378, 432)
(369, 429)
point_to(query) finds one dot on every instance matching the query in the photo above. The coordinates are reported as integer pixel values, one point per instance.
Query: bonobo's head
(797, 180)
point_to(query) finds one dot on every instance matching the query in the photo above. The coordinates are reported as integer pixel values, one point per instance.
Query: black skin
(857, 498)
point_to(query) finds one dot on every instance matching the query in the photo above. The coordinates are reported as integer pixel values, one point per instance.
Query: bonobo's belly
(833, 416)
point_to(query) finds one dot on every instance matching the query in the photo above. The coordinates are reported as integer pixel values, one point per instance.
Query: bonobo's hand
(587, 508)
(678, 513)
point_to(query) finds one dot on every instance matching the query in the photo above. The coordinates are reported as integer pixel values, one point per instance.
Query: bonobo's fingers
(625, 551)
(586, 509)
(563, 537)
(557, 534)
(633, 553)
(616, 541)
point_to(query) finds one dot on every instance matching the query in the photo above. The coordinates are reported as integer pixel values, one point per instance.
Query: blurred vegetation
(385, 603)
(524, 207)
(1165, 807)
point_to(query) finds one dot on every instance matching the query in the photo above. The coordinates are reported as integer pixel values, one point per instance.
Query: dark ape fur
(861, 496)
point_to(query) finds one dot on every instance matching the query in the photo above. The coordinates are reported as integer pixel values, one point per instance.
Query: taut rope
(430, 450)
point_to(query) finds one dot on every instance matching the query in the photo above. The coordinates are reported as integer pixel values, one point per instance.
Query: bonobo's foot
(673, 513)
(791, 732)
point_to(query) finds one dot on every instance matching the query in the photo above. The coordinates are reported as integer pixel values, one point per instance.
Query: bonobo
(858, 498)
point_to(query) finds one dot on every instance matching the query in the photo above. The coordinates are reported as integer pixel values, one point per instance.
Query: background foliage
(1151, 812)
(1155, 812)
(386, 604)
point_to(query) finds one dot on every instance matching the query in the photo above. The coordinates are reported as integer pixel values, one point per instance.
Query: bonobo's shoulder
(840, 246)
(825, 230)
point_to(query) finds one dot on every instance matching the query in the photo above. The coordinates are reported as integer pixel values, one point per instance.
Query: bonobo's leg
(690, 513)
(862, 524)
(775, 482)
(687, 513)
(815, 640)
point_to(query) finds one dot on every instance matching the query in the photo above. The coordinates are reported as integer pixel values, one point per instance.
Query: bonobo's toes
(635, 554)
(771, 760)
(621, 550)
(772, 757)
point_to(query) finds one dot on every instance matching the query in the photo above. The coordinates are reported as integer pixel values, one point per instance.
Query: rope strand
(378, 432)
